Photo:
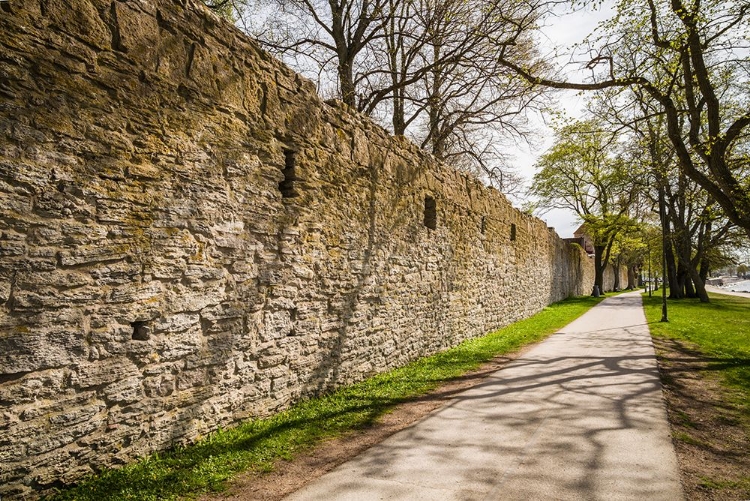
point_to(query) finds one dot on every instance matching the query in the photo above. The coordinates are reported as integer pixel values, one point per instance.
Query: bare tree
(428, 68)
(321, 35)
(450, 94)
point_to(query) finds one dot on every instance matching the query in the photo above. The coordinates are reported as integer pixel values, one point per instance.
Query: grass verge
(258, 444)
(704, 362)
(720, 330)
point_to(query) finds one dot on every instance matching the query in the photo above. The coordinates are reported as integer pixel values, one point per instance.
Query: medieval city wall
(189, 236)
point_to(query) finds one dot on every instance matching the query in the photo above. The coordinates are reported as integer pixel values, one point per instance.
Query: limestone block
(81, 18)
(124, 391)
(181, 344)
(26, 350)
(136, 34)
(117, 273)
(137, 293)
(91, 374)
(190, 378)
(60, 436)
(93, 254)
(159, 386)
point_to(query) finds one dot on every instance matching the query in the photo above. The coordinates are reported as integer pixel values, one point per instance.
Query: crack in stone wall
(154, 282)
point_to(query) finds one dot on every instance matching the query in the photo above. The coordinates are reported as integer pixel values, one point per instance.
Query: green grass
(720, 330)
(256, 445)
(714, 484)
(688, 439)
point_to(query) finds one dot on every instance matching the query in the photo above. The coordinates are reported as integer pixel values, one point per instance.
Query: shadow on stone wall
(191, 237)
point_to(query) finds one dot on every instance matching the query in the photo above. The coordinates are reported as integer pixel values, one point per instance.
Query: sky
(562, 32)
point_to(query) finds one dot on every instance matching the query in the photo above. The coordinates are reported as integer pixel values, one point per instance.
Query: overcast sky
(561, 33)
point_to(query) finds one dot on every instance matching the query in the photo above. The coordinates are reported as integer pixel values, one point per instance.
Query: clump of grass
(721, 484)
(257, 444)
(688, 439)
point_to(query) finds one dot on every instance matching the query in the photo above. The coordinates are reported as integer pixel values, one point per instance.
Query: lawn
(719, 329)
(258, 444)
(704, 362)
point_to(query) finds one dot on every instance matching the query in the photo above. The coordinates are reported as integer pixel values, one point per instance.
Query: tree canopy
(691, 58)
(587, 171)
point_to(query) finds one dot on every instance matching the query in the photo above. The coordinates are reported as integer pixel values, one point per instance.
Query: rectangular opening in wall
(483, 224)
(287, 185)
(141, 331)
(512, 232)
(430, 212)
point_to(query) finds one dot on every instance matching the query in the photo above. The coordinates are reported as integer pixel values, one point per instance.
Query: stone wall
(189, 236)
(609, 277)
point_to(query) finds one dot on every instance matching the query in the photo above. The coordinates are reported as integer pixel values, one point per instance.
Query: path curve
(579, 416)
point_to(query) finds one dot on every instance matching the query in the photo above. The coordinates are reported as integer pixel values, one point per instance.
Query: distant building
(582, 238)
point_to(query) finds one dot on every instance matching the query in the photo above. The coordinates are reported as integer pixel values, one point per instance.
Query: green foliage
(257, 444)
(719, 329)
(584, 172)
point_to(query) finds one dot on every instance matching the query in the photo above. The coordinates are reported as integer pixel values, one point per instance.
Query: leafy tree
(693, 225)
(582, 172)
(224, 8)
(630, 250)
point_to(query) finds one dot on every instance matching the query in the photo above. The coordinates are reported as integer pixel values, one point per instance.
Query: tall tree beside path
(693, 59)
(694, 228)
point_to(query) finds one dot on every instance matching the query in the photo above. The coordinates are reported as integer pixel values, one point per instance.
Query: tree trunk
(689, 289)
(599, 268)
(632, 272)
(674, 288)
(399, 122)
(705, 268)
(681, 281)
(700, 286)
(669, 261)
(346, 82)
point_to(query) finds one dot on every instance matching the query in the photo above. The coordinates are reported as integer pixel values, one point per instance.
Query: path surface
(580, 416)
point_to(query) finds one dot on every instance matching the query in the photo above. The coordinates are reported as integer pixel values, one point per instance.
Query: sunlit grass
(719, 329)
(256, 445)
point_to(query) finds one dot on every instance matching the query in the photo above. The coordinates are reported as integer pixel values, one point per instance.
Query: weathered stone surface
(155, 282)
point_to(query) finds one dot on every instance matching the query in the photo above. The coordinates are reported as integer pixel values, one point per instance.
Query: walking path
(580, 416)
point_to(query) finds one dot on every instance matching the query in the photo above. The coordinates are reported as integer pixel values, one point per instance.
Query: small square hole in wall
(512, 232)
(430, 212)
(287, 185)
(141, 331)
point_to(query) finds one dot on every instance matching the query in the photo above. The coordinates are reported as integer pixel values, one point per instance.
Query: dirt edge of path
(710, 439)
